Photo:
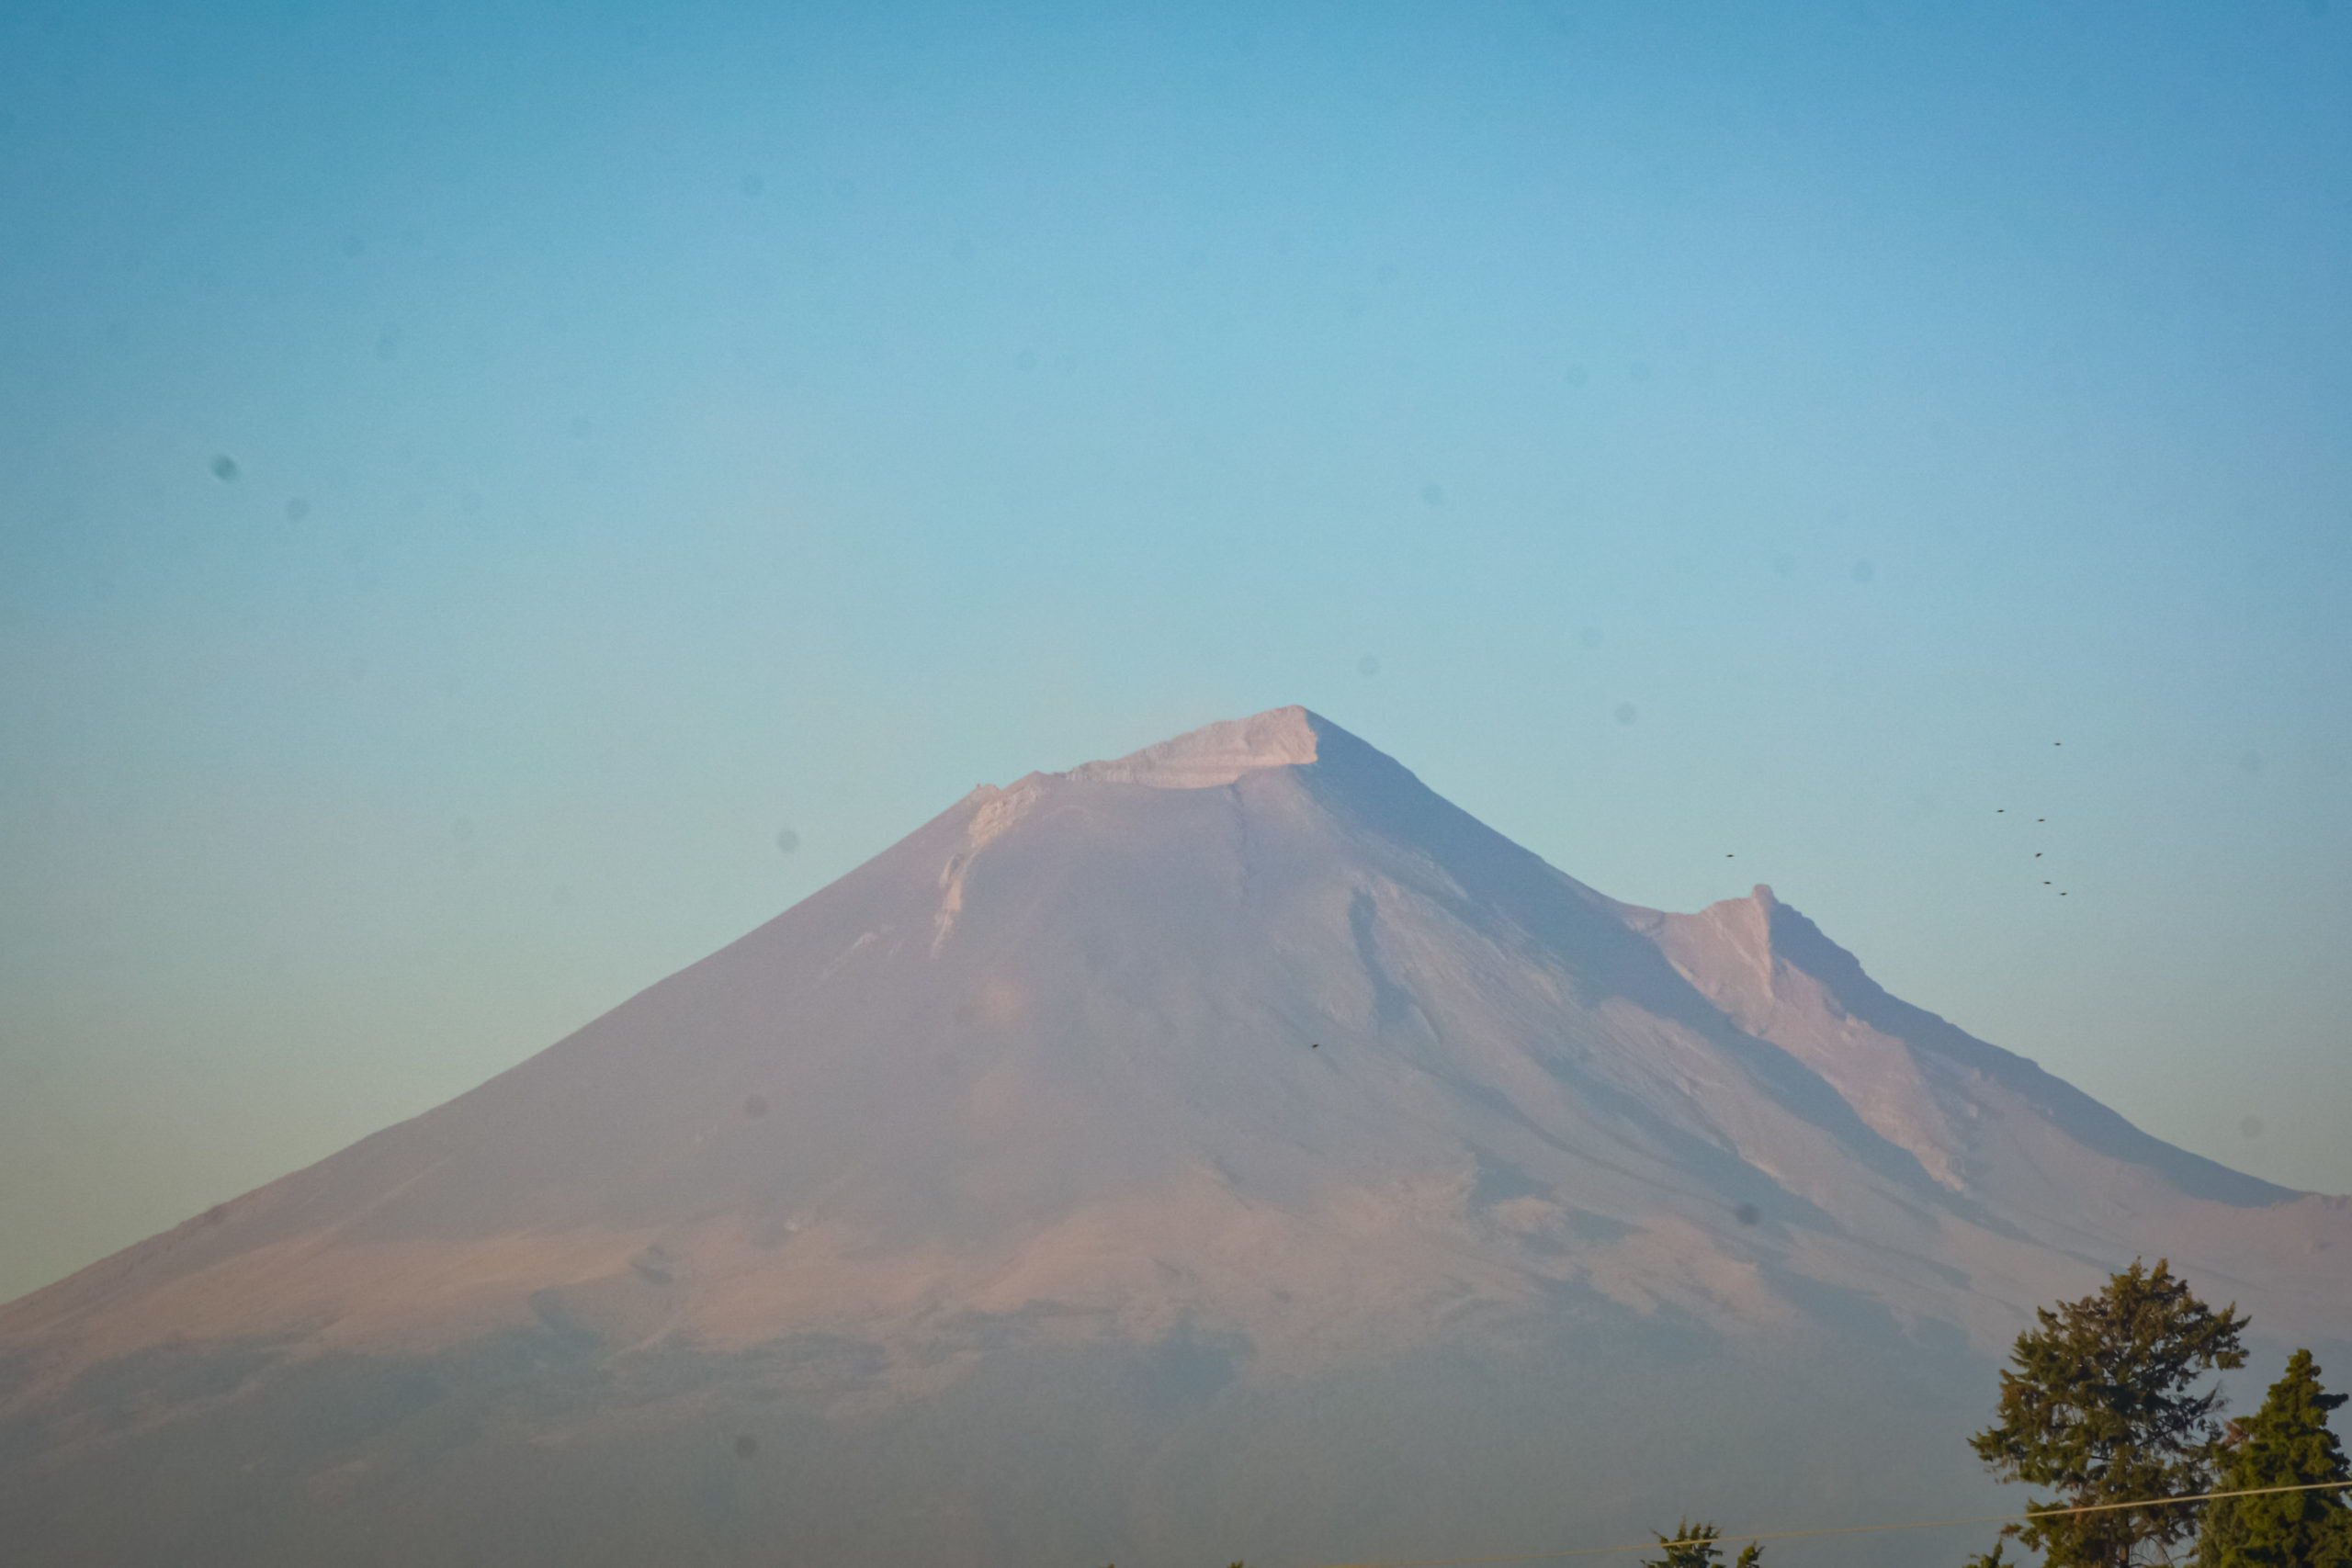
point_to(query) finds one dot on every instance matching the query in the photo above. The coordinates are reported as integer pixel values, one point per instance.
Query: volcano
(1230, 1149)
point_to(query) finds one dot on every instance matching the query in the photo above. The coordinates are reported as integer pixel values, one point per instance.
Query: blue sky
(1676, 431)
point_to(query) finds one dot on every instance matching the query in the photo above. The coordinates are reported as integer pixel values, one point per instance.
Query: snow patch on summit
(1200, 759)
(1217, 754)
(1207, 758)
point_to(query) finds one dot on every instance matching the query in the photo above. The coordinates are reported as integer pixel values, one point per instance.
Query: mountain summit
(1232, 1146)
(1220, 754)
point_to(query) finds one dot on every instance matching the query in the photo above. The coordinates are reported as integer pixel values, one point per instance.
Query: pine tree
(2102, 1405)
(1694, 1546)
(2286, 1443)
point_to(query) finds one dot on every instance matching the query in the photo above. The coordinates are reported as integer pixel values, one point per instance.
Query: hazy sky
(480, 479)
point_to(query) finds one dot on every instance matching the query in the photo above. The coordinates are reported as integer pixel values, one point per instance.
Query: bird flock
(2049, 882)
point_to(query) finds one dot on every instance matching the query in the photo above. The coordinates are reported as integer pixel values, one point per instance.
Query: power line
(1846, 1529)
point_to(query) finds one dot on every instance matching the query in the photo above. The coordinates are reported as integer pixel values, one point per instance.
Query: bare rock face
(1231, 1147)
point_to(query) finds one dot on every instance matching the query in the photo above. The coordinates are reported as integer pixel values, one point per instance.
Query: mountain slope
(1238, 1084)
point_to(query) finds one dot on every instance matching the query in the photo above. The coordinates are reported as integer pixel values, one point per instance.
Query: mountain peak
(1217, 754)
(1242, 1099)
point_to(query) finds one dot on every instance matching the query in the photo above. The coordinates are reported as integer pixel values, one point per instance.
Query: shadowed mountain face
(1230, 1148)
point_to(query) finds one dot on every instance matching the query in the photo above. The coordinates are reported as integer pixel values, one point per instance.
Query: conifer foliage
(1694, 1546)
(2286, 1443)
(2101, 1403)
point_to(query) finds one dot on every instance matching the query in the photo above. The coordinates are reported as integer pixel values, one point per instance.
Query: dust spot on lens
(755, 1106)
(1747, 1215)
(296, 509)
(224, 468)
(1578, 374)
(1025, 360)
(1432, 495)
(1864, 571)
(788, 840)
(354, 246)
(1785, 563)
(2250, 1127)
(751, 184)
(462, 830)
(388, 342)
(2250, 763)
(1368, 665)
(1627, 712)
(746, 1446)
(1589, 637)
